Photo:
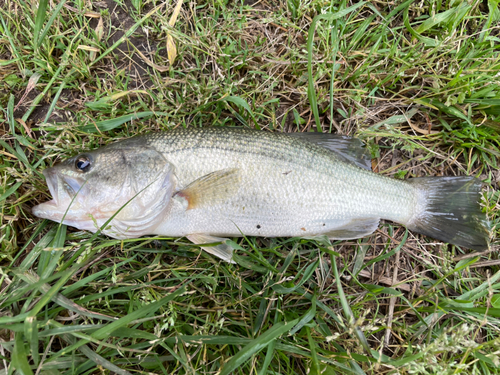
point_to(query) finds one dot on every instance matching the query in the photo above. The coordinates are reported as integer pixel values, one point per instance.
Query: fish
(211, 184)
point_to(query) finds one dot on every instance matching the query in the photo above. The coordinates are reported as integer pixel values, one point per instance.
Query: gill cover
(147, 189)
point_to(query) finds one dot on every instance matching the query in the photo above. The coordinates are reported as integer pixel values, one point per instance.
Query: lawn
(417, 81)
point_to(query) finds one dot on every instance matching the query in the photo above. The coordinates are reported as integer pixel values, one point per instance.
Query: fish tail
(448, 209)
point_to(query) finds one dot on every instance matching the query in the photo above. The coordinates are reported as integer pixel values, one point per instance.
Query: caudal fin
(448, 210)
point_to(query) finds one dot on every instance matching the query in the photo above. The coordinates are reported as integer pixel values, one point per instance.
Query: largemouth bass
(212, 183)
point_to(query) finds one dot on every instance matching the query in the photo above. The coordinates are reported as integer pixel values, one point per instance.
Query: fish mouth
(62, 205)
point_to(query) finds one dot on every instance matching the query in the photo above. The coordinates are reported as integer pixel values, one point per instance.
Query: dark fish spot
(258, 226)
(287, 172)
(124, 159)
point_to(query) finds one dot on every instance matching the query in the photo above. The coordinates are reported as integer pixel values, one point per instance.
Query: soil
(121, 22)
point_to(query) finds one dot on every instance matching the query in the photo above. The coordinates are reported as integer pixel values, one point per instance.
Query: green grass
(417, 81)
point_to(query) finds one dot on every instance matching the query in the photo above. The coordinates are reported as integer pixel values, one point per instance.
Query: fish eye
(82, 163)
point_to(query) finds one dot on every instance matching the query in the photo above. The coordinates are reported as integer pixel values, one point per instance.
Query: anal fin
(221, 250)
(356, 228)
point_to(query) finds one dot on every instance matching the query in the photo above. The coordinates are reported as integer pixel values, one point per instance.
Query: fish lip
(44, 210)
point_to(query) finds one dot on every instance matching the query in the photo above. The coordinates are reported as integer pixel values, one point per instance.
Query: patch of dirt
(22, 104)
(251, 2)
(128, 59)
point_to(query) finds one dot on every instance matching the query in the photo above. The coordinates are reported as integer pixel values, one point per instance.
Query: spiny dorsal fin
(209, 189)
(351, 150)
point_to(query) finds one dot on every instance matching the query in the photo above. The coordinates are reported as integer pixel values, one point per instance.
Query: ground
(417, 81)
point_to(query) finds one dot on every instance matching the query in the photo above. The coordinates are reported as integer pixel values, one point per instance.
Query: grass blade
(100, 361)
(54, 15)
(314, 369)
(51, 293)
(308, 316)
(346, 308)
(241, 103)
(311, 90)
(10, 191)
(60, 299)
(441, 17)
(20, 356)
(31, 333)
(10, 114)
(256, 346)
(39, 20)
(143, 311)
(35, 252)
(107, 330)
(107, 125)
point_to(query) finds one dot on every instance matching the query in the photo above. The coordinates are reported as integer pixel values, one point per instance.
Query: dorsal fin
(351, 150)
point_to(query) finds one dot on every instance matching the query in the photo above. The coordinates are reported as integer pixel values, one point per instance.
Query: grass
(417, 81)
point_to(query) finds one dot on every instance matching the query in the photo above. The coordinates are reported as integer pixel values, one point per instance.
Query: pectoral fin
(221, 250)
(210, 189)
